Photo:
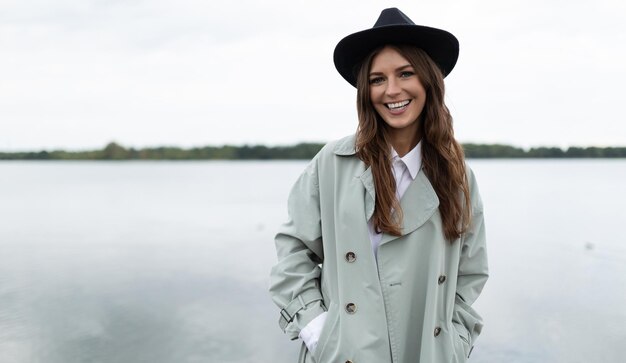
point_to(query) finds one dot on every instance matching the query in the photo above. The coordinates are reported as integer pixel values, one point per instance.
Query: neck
(403, 141)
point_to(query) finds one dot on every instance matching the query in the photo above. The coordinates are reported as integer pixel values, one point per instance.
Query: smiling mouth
(397, 105)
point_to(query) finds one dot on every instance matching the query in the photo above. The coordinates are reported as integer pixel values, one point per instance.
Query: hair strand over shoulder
(442, 156)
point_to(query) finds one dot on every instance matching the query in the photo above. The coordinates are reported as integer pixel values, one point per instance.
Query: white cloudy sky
(77, 74)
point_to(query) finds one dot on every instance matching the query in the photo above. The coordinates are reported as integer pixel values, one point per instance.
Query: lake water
(169, 261)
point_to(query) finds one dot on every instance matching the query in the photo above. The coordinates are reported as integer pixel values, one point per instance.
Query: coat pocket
(461, 342)
(329, 329)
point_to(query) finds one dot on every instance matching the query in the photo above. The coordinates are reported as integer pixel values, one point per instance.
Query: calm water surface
(169, 261)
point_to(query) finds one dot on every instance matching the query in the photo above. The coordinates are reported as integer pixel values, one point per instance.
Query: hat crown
(394, 27)
(393, 16)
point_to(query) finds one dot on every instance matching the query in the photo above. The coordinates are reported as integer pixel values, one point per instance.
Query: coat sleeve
(473, 270)
(294, 279)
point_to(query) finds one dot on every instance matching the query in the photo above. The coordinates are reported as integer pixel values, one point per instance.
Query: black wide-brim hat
(394, 27)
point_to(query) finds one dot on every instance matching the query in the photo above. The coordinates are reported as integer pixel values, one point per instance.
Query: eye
(376, 80)
(406, 74)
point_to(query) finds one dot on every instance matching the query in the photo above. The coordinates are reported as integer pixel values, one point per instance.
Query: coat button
(437, 331)
(348, 361)
(442, 279)
(351, 308)
(350, 256)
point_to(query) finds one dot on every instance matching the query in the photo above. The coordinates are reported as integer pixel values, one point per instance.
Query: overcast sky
(77, 74)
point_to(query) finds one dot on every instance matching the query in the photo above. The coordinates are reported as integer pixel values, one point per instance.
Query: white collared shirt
(405, 170)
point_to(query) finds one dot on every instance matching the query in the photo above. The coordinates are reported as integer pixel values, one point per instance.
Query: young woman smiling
(384, 250)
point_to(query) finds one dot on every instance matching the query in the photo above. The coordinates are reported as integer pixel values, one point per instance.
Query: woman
(384, 251)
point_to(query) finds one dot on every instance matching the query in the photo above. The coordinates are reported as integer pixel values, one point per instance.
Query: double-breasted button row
(441, 279)
(351, 308)
(350, 257)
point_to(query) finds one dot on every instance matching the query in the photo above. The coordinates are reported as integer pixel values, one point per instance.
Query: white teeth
(398, 104)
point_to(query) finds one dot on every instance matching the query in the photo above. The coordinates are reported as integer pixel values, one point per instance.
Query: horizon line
(270, 146)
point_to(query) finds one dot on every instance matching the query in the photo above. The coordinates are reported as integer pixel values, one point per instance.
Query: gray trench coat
(414, 305)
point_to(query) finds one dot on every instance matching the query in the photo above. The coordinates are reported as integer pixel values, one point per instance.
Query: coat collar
(418, 203)
(345, 146)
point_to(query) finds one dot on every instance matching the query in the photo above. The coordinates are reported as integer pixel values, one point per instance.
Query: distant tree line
(506, 151)
(114, 151)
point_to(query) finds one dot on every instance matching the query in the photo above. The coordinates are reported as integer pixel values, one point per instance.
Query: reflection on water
(168, 262)
(123, 306)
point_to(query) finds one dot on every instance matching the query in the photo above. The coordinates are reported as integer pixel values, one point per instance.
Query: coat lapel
(370, 193)
(418, 203)
(346, 147)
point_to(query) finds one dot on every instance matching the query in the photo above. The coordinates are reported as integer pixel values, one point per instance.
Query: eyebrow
(397, 69)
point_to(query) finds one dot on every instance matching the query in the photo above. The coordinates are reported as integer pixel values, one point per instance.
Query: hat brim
(441, 46)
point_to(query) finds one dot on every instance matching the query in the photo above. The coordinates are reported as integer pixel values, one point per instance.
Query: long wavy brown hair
(443, 159)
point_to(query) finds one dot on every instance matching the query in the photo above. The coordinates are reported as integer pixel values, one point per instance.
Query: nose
(393, 88)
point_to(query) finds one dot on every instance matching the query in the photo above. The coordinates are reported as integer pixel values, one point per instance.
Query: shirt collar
(412, 160)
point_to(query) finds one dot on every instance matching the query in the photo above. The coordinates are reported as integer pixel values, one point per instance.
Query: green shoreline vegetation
(114, 151)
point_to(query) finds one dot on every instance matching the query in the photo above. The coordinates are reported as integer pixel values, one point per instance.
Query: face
(396, 92)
